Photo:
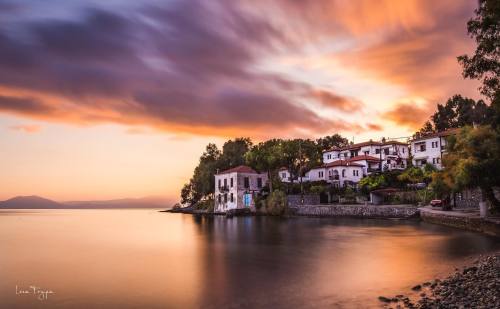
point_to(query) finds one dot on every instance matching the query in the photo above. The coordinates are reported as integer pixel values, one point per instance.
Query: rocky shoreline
(475, 286)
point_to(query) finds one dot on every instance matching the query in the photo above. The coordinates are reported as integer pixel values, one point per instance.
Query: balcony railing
(223, 188)
(333, 177)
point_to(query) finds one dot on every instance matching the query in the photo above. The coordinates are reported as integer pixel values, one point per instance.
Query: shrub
(207, 205)
(276, 203)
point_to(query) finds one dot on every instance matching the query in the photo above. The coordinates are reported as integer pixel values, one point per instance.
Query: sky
(112, 99)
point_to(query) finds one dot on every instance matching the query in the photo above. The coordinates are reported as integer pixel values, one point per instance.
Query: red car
(436, 203)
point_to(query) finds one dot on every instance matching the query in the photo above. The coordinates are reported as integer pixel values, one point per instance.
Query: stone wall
(468, 198)
(360, 211)
(309, 199)
(476, 224)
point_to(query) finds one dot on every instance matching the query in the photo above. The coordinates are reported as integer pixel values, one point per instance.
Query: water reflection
(142, 258)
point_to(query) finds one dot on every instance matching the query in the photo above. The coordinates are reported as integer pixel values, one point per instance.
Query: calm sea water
(147, 259)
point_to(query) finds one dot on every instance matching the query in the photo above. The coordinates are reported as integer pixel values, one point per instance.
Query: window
(231, 198)
(329, 156)
(343, 173)
(434, 144)
(320, 174)
(225, 197)
(218, 184)
(377, 151)
(386, 151)
(225, 182)
(219, 198)
(403, 150)
(259, 182)
(283, 175)
(438, 160)
(246, 182)
(231, 182)
(367, 153)
(355, 172)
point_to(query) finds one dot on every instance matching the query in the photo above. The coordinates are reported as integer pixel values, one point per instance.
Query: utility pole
(300, 173)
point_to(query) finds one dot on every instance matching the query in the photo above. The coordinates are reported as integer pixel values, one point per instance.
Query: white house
(391, 154)
(236, 188)
(430, 148)
(339, 173)
(285, 176)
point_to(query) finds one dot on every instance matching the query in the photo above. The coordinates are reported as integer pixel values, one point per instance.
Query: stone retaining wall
(296, 199)
(360, 211)
(470, 223)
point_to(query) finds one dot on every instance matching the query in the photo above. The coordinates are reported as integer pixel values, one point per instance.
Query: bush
(176, 206)
(317, 189)
(207, 205)
(276, 203)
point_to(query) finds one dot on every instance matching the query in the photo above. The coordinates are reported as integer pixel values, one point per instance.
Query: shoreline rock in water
(476, 286)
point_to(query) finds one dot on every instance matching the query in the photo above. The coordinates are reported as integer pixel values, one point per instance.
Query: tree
(330, 141)
(266, 156)
(456, 113)
(233, 152)
(300, 155)
(473, 160)
(484, 65)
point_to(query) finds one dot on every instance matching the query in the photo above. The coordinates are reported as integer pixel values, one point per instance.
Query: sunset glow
(110, 99)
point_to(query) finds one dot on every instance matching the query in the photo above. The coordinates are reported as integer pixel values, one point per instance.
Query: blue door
(247, 199)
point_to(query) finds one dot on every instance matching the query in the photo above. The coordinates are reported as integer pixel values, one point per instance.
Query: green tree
(202, 182)
(233, 152)
(484, 64)
(473, 160)
(373, 182)
(330, 141)
(299, 155)
(456, 113)
(266, 156)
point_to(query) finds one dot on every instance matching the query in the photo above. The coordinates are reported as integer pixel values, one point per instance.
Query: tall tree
(202, 183)
(458, 112)
(233, 152)
(484, 64)
(330, 141)
(473, 160)
(299, 155)
(266, 156)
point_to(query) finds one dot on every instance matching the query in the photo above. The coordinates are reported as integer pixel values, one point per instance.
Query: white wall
(432, 153)
(238, 189)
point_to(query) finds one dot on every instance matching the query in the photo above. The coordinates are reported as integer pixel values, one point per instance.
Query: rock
(384, 299)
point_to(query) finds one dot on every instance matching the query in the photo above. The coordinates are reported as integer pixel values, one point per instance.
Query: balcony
(333, 177)
(224, 189)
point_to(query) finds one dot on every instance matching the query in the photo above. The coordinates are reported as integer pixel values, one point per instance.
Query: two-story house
(339, 173)
(430, 148)
(388, 154)
(236, 188)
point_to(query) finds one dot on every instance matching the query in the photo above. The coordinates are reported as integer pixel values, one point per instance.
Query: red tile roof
(239, 169)
(368, 143)
(342, 163)
(438, 134)
(364, 157)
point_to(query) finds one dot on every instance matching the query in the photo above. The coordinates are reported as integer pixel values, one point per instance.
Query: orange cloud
(409, 114)
(332, 100)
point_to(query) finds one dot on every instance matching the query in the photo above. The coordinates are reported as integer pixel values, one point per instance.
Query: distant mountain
(36, 202)
(30, 202)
